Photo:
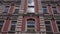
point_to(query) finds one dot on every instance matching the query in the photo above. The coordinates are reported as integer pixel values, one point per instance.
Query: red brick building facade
(29, 16)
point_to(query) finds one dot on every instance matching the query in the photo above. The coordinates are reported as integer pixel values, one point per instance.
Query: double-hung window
(44, 9)
(54, 9)
(13, 25)
(7, 6)
(48, 27)
(30, 26)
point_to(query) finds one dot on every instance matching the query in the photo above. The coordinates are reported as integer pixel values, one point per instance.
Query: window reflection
(31, 10)
(31, 2)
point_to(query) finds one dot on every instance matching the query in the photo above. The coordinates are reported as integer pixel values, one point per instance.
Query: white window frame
(27, 28)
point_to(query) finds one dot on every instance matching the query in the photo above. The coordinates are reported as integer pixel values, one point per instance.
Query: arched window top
(31, 19)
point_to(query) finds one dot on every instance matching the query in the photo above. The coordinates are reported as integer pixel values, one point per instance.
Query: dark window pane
(59, 28)
(31, 6)
(44, 9)
(14, 22)
(16, 11)
(1, 25)
(44, 6)
(58, 22)
(6, 9)
(54, 9)
(13, 25)
(12, 28)
(30, 26)
(1, 22)
(30, 22)
(0, 28)
(47, 22)
(48, 28)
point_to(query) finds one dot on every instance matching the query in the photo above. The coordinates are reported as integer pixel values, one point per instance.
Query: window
(44, 9)
(1, 25)
(48, 26)
(16, 11)
(54, 9)
(6, 9)
(30, 25)
(13, 25)
(30, 2)
(58, 24)
(30, 9)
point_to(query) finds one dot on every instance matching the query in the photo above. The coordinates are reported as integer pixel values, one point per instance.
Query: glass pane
(31, 2)
(59, 28)
(48, 28)
(6, 9)
(47, 22)
(30, 26)
(1, 22)
(58, 22)
(13, 22)
(30, 10)
(54, 9)
(16, 10)
(0, 28)
(44, 9)
(12, 28)
(30, 22)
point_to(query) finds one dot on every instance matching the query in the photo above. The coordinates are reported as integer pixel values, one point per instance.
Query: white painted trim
(51, 26)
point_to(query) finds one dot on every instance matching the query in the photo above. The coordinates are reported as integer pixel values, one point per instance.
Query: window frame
(11, 25)
(8, 4)
(54, 9)
(30, 28)
(45, 8)
(49, 25)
